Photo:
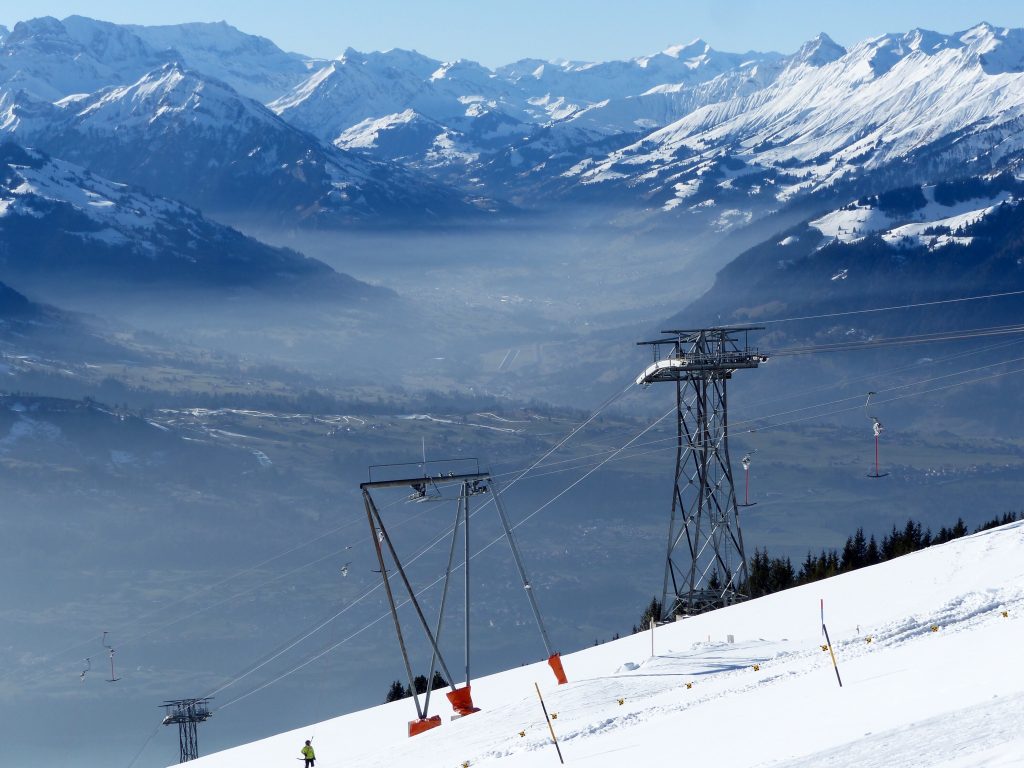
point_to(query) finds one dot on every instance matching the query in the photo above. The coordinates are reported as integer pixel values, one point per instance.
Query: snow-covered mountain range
(183, 135)
(905, 107)
(686, 130)
(228, 123)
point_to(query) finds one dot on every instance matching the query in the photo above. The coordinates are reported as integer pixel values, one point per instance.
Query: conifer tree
(396, 691)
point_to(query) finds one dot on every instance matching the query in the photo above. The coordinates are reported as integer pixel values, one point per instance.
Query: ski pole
(550, 727)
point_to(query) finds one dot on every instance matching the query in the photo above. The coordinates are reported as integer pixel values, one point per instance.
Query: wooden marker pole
(832, 653)
(550, 727)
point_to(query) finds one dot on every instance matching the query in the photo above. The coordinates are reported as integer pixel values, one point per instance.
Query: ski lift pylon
(110, 649)
(876, 430)
(746, 462)
(471, 484)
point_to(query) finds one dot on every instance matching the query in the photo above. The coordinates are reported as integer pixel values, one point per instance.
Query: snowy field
(931, 670)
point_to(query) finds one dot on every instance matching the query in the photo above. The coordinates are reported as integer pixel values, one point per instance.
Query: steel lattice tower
(187, 713)
(705, 567)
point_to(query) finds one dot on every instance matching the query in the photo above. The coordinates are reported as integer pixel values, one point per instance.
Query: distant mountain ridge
(51, 58)
(62, 225)
(907, 245)
(186, 136)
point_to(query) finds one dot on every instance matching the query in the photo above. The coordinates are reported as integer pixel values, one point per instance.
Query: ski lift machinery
(470, 485)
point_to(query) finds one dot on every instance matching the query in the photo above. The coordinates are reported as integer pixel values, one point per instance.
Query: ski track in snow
(982, 735)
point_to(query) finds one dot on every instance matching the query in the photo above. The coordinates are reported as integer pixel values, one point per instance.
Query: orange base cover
(419, 726)
(462, 701)
(555, 662)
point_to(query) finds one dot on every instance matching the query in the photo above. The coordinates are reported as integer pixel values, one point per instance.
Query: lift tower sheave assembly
(705, 566)
(187, 714)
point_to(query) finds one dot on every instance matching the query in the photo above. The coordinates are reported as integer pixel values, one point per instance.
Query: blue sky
(497, 33)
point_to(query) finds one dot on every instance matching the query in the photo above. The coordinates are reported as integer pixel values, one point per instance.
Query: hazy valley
(232, 278)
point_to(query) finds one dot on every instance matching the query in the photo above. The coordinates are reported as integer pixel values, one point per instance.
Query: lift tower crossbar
(705, 566)
(187, 714)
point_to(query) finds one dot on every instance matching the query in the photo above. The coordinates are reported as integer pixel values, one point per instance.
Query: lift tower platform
(705, 566)
(187, 714)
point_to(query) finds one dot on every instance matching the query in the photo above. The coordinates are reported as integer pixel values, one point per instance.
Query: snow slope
(856, 221)
(928, 662)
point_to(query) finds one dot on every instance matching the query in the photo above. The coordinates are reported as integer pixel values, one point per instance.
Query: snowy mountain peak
(462, 69)
(50, 59)
(999, 51)
(42, 27)
(982, 31)
(925, 40)
(884, 52)
(695, 47)
(167, 94)
(395, 59)
(20, 112)
(819, 51)
(106, 41)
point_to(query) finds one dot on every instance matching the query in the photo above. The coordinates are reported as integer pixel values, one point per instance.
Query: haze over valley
(234, 277)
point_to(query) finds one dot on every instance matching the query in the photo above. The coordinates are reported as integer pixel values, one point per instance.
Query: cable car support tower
(187, 714)
(705, 567)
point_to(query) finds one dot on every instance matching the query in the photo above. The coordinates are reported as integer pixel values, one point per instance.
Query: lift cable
(185, 598)
(596, 466)
(889, 309)
(441, 578)
(757, 420)
(921, 338)
(521, 474)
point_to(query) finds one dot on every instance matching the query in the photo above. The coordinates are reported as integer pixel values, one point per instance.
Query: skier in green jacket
(309, 754)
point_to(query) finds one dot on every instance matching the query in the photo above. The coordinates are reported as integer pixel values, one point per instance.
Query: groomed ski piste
(928, 647)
